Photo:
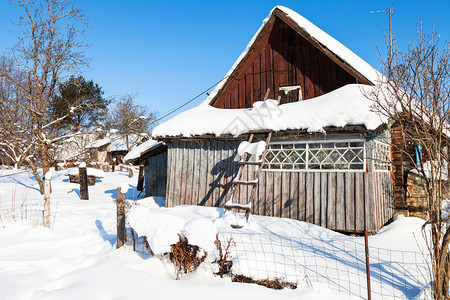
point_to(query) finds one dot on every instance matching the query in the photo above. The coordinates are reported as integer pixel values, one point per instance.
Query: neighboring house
(96, 149)
(112, 149)
(329, 159)
(73, 149)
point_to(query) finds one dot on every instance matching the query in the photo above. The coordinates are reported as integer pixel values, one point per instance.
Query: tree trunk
(39, 179)
(45, 156)
(47, 203)
(447, 276)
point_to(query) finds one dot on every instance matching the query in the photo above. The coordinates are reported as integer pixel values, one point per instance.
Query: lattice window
(381, 157)
(286, 156)
(339, 155)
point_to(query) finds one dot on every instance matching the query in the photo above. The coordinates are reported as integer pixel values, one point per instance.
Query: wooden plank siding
(156, 175)
(282, 57)
(343, 201)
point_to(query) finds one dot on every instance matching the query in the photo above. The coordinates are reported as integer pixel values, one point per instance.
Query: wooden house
(329, 159)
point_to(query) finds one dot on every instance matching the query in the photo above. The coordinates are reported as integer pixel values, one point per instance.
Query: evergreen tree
(81, 102)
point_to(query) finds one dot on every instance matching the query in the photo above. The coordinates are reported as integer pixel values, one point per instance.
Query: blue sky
(168, 52)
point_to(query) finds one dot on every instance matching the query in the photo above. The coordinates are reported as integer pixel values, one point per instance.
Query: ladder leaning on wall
(259, 149)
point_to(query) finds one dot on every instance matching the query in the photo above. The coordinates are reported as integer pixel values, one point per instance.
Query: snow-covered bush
(185, 244)
(185, 257)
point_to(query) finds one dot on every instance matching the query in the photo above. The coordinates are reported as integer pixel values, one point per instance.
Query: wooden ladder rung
(244, 182)
(237, 206)
(252, 163)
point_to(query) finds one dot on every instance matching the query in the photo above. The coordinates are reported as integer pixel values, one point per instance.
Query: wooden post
(366, 242)
(140, 183)
(121, 233)
(130, 171)
(84, 194)
(47, 191)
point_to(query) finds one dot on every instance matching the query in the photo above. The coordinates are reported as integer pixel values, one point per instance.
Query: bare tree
(415, 94)
(15, 141)
(129, 118)
(50, 46)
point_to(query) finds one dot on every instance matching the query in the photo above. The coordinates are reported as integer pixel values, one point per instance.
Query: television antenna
(390, 11)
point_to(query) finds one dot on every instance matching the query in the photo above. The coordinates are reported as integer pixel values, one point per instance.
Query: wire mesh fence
(338, 264)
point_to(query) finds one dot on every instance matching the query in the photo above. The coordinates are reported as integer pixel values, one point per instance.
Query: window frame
(388, 162)
(306, 169)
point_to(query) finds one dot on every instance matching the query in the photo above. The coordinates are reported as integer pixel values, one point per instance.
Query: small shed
(152, 156)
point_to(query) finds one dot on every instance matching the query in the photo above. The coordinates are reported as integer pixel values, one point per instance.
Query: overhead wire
(189, 101)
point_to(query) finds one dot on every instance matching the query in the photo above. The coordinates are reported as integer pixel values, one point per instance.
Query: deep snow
(77, 259)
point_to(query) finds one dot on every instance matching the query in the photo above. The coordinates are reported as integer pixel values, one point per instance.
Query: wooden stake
(84, 194)
(366, 242)
(47, 191)
(121, 233)
(130, 171)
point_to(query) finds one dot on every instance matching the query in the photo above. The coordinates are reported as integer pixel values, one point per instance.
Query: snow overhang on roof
(345, 106)
(138, 151)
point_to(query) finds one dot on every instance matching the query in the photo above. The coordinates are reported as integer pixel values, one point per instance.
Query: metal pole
(366, 242)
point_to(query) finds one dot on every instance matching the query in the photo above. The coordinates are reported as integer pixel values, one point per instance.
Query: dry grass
(276, 283)
(224, 259)
(185, 257)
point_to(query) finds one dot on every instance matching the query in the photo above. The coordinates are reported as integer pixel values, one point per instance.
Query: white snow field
(76, 258)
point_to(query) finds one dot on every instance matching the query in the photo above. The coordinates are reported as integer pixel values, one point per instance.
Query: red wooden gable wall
(281, 57)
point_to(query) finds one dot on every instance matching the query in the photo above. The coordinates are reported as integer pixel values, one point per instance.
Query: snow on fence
(338, 264)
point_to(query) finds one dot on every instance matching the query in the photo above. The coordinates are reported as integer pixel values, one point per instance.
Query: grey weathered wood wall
(200, 173)
(156, 175)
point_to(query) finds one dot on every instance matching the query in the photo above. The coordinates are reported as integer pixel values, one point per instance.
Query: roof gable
(289, 50)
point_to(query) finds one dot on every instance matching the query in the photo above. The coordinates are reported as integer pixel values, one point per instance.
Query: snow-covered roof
(141, 149)
(323, 38)
(116, 142)
(344, 106)
(99, 143)
(347, 105)
(74, 147)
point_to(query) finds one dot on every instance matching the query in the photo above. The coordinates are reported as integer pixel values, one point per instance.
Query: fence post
(130, 171)
(366, 242)
(47, 191)
(121, 233)
(82, 173)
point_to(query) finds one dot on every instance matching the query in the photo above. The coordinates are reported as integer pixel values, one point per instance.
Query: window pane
(356, 144)
(321, 156)
(356, 166)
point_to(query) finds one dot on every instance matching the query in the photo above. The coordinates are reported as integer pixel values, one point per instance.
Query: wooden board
(201, 173)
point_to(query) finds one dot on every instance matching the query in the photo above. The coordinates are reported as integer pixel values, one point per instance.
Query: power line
(186, 103)
(165, 115)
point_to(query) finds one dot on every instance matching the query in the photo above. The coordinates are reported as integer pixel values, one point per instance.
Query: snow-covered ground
(76, 258)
